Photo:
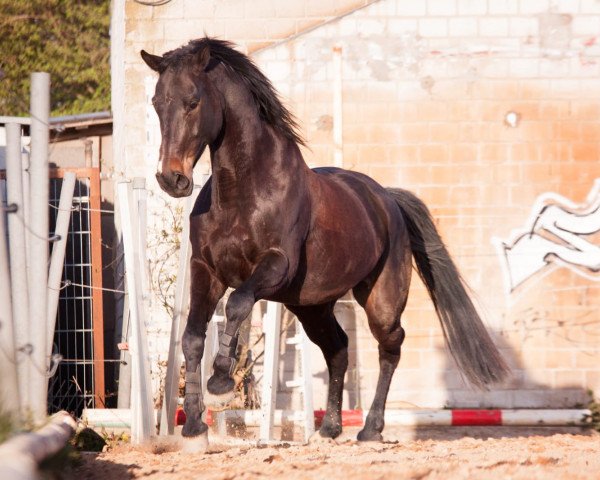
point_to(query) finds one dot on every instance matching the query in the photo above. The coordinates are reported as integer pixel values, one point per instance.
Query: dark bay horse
(271, 228)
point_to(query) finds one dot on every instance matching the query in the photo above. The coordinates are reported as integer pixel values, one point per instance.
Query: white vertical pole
(307, 391)
(338, 148)
(180, 308)
(38, 224)
(142, 422)
(140, 195)
(9, 387)
(25, 213)
(272, 329)
(57, 259)
(18, 258)
(211, 347)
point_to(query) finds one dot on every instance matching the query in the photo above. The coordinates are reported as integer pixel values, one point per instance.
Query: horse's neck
(250, 158)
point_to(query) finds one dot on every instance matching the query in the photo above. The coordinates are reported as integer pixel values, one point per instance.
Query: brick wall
(481, 108)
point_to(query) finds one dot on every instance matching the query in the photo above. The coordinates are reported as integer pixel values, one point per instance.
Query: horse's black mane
(267, 100)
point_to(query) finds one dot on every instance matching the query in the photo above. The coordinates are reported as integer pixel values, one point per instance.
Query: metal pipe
(18, 259)
(57, 259)
(38, 225)
(338, 145)
(9, 388)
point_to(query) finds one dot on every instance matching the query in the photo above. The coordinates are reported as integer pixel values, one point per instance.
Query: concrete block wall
(482, 108)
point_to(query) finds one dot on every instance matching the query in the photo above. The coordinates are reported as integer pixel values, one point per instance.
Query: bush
(68, 39)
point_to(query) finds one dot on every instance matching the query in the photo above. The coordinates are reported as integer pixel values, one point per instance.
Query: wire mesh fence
(78, 379)
(72, 387)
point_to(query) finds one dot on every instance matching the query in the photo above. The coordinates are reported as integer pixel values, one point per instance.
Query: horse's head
(190, 113)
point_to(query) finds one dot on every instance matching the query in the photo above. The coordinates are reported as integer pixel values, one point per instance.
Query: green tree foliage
(68, 39)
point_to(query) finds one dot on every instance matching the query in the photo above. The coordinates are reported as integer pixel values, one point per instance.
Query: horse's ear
(153, 61)
(203, 58)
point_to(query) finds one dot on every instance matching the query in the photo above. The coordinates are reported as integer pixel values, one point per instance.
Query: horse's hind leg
(323, 329)
(384, 303)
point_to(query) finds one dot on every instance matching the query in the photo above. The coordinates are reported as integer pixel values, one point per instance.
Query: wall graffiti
(554, 235)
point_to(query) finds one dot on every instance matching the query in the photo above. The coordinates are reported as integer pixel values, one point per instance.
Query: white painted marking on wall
(553, 236)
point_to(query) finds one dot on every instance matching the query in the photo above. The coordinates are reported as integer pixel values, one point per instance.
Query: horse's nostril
(181, 181)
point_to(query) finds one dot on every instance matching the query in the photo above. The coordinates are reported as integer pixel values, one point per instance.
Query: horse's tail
(466, 336)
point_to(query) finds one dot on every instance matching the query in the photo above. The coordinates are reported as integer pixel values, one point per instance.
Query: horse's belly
(332, 265)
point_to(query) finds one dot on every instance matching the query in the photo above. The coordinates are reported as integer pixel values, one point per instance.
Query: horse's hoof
(318, 439)
(365, 436)
(197, 444)
(218, 402)
(220, 384)
(330, 430)
(193, 428)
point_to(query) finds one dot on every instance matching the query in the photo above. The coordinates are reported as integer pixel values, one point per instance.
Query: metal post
(142, 427)
(38, 225)
(18, 259)
(57, 259)
(338, 149)
(180, 308)
(272, 329)
(9, 388)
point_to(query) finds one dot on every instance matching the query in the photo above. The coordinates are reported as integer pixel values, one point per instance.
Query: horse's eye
(192, 105)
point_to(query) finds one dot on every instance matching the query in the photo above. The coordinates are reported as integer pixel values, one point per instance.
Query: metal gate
(79, 379)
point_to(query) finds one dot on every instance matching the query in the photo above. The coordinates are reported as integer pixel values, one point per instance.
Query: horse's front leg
(268, 276)
(206, 291)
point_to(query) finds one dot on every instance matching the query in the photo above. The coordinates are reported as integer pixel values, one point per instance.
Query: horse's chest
(233, 258)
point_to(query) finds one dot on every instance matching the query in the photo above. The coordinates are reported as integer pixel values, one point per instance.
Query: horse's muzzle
(176, 184)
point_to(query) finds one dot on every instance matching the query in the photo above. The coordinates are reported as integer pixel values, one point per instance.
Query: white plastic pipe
(38, 225)
(18, 258)
(338, 145)
(272, 331)
(9, 389)
(141, 398)
(57, 259)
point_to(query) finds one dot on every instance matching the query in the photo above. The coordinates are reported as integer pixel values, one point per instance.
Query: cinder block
(493, 27)
(523, 26)
(533, 7)
(462, 27)
(411, 9)
(472, 7)
(569, 379)
(503, 7)
(433, 27)
(441, 8)
(585, 25)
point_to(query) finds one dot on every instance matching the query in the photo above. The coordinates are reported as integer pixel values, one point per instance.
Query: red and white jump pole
(455, 417)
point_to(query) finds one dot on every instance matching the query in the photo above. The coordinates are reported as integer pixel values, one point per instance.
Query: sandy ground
(426, 453)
